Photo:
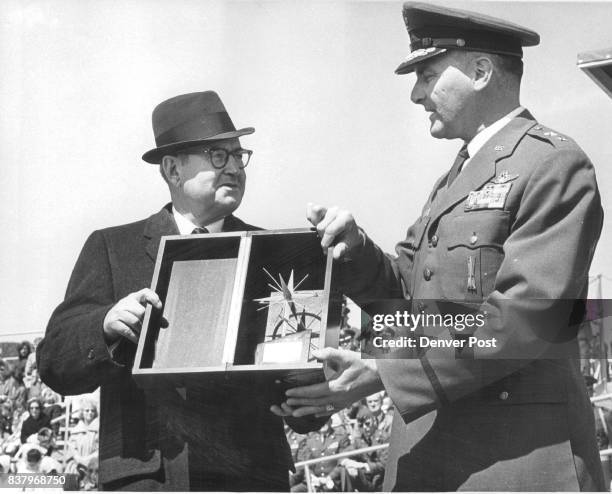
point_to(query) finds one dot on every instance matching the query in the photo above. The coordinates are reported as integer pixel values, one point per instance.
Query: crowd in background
(36, 438)
(355, 429)
(365, 424)
(35, 435)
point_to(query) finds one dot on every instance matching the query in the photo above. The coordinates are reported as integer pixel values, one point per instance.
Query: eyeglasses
(219, 156)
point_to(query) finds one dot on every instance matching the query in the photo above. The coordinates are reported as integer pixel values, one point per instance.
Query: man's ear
(483, 72)
(169, 168)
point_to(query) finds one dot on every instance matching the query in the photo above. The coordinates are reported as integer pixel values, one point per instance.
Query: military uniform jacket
(319, 445)
(514, 236)
(230, 437)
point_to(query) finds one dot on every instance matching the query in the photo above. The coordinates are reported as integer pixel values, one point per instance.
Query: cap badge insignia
(419, 53)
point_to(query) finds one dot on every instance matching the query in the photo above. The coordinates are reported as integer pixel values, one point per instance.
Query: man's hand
(124, 320)
(336, 227)
(353, 467)
(350, 378)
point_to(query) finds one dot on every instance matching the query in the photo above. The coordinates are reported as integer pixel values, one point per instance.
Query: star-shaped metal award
(290, 310)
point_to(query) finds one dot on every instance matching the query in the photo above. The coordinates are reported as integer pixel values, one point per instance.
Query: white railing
(345, 454)
(603, 397)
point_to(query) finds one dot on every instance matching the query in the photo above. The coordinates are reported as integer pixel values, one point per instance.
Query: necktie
(199, 230)
(462, 156)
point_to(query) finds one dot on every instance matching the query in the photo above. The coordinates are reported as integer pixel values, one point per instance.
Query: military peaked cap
(434, 29)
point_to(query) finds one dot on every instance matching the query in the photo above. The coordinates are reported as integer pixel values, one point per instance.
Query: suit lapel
(156, 226)
(482, 166)
(233, 224)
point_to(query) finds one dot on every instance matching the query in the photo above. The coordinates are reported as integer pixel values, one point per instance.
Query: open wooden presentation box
(243, 306)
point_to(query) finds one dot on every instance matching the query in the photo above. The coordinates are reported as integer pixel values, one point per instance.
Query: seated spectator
(51, 407)
(352, 411)
(11, 445)
(31, 363)
(326, 476)
(30, 462)
(366, 471)
(374, 404)
(11, 385)
(36, 386)
(23, 352)
(52, 461)
(294, 439)
(35, 421)
(83, 441)
(19, 416)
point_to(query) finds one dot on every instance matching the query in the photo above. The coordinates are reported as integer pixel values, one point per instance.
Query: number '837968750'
(31, 480)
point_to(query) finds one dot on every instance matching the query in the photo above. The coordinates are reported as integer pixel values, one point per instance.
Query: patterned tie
(462, 156)
(199, 230)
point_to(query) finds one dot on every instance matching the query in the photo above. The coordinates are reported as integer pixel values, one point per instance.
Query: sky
(334, 124)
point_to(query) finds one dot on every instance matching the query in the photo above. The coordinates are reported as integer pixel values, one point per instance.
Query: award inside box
(249, 307)
(293, 324)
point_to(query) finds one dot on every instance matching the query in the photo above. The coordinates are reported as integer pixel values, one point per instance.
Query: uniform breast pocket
(474, 253)
(415, 233)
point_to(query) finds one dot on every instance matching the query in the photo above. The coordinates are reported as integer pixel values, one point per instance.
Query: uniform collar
(484, 165)
(485, 134)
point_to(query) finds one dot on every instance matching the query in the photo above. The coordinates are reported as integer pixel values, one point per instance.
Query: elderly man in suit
(507, 234)
(210, 438)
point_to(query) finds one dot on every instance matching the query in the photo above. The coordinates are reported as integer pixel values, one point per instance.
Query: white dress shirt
(186, 227)
(485, 134)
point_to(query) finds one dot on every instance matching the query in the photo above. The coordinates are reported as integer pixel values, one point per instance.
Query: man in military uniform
(366, 470)
(508, 233)
(325, 475)
(374, 406)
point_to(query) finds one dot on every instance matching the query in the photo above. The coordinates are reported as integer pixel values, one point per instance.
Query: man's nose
(418, 94)
(233, 165)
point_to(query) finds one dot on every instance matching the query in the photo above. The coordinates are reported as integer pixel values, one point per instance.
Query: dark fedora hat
(187, 120)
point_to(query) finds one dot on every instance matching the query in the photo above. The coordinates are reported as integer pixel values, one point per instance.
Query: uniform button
(504, 395)
(421, 306)
(473, 239)
(434, 240)
(427, 274)
(90, 354)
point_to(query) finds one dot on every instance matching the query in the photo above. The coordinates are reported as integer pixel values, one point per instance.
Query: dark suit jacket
(512, 417)
(229, 436)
